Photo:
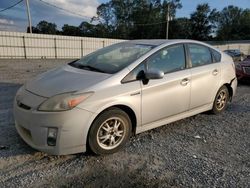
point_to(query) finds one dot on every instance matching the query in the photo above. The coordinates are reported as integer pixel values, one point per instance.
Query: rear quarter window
(216, 56)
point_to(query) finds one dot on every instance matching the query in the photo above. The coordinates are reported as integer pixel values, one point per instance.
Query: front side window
(200, 55)
(169, 59)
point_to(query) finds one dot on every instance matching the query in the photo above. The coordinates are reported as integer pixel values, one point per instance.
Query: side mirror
(154, 74)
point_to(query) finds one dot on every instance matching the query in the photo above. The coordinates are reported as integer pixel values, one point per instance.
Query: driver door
(170, 95)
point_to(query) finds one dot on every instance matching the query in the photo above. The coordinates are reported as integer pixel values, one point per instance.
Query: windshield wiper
(88, 67)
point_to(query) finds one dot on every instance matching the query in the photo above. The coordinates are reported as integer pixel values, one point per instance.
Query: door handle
(136, 93)
(185, 81)
(215, 72)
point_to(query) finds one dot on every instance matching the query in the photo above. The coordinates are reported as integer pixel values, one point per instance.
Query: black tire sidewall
(92, 136)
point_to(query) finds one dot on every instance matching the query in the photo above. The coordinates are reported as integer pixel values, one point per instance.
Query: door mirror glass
(154, 74)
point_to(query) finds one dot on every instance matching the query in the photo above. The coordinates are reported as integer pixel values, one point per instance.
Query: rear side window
(168, 59)
(216, 56)
(200, 55)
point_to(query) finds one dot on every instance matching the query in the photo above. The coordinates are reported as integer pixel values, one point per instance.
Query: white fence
(37, 46)
(25, 45)
(243, 47)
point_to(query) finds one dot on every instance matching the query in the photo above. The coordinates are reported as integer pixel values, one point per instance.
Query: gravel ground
(200, 151)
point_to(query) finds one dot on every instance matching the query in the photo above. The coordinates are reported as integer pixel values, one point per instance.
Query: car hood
(62, 80)
(245, 63)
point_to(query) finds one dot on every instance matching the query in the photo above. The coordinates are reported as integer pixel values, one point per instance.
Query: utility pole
(167, 19)
(28, 13)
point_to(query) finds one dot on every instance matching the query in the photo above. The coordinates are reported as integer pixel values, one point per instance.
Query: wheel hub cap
(221, 100)
(111, 133)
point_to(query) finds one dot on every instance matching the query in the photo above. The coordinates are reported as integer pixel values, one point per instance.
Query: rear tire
(221, 100)
(109, 132)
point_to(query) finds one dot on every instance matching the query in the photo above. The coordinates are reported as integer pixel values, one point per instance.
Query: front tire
(221, 100)
(109, 132)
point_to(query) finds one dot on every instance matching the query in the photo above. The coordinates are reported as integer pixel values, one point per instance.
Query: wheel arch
(131, 115)
(128, 110)
(230, 84)
(230, 90)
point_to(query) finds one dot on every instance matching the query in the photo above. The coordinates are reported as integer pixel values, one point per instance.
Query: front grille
(246, 70)
(21, 105)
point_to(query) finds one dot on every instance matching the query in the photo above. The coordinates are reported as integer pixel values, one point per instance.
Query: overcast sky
(15, 19)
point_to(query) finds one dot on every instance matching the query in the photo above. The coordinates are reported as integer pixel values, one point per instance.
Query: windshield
(113, 58)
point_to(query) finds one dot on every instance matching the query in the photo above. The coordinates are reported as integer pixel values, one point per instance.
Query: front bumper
(72, 125)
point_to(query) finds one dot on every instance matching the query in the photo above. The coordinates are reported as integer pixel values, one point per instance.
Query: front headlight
(62, 102)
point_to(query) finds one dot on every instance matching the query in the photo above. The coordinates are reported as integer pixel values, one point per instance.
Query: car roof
(157, 42)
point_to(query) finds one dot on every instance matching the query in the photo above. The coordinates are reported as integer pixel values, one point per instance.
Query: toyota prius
(100, 100)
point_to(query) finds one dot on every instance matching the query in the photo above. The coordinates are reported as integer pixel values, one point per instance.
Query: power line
(63, 9)
(155, 23)
(78, 14)
(11, 6)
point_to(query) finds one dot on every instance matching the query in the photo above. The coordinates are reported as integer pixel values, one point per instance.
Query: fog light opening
(52, 135)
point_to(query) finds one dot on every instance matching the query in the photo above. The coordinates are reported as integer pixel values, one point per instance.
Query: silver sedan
(99, 101)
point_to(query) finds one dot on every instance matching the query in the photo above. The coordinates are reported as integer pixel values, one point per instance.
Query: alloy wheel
(221, 100)
(111, 133)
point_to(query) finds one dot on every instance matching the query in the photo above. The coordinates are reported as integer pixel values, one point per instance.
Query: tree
(104, 14)
(234, 24)
(71, 30)
(87, 29)
(34, 30)
(45, 27)
(180, 28)
(147, 20)
(244, 28)
(135, 19)
(202, 22)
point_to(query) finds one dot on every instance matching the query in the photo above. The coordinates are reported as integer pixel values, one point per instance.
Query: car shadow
(244, 82)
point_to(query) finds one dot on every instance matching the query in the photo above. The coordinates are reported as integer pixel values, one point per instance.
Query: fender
(106, 106)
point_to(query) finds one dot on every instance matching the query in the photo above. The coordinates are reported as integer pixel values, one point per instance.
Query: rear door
(205, 75)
